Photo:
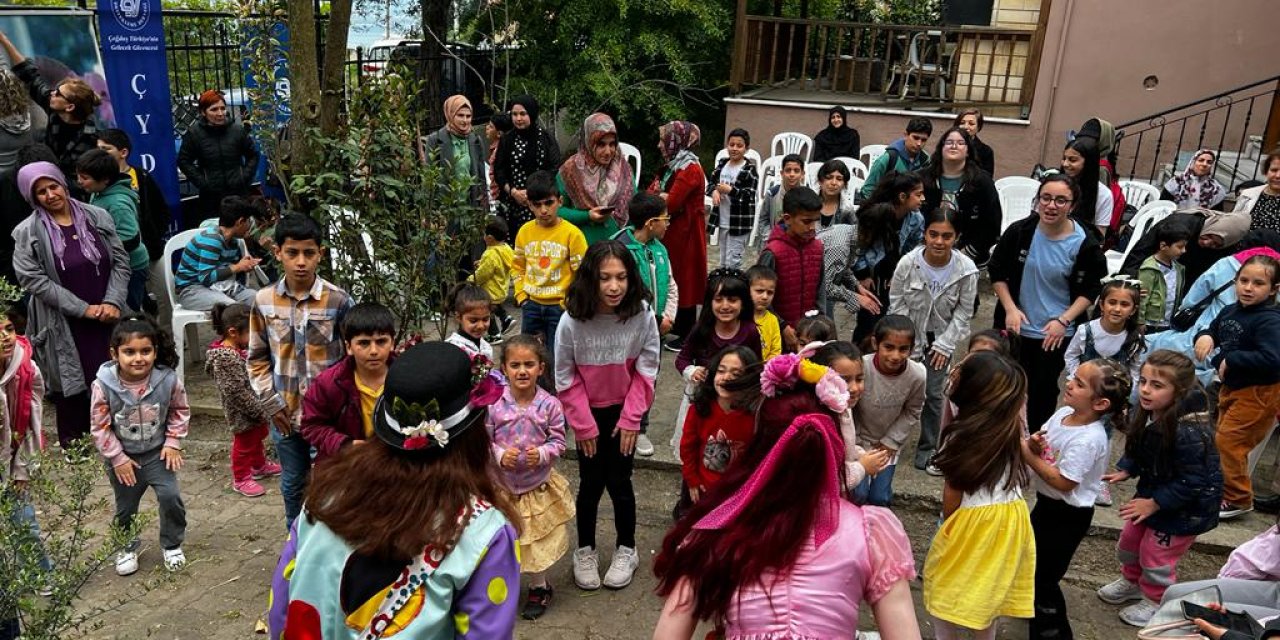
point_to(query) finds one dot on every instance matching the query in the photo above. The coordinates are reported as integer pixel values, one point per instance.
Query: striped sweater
(601, 362)
(206, 260)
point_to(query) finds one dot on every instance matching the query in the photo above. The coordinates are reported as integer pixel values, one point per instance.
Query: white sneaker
(623, 567)
(174, 559)
(126, 563)
(933, 470)
(1139, 614)
(868, 635)
(1120, 592)
(586, 568)
(644, 446)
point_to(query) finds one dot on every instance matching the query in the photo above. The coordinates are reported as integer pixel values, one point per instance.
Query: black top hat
(433, 392)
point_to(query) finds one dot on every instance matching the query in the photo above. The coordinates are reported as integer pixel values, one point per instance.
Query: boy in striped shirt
(209, 272)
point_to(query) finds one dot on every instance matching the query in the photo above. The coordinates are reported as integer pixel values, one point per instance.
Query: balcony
(897, 66)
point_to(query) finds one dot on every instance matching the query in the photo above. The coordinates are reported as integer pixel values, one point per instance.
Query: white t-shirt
(728, 175)
(1080, 453)
(1106, 344)
(1102, 213)
(937, 276)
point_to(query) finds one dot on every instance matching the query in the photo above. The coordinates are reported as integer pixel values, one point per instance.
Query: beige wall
(1195, 48)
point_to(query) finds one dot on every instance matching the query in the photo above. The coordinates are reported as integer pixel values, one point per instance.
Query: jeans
(876, 490)
(542, 319)
(197, 298)
(151, 472)
(1059, 528)
(25, 513)
(610, 470)
(295, 466)
(931, 415)
(731, 248)
(137, 292)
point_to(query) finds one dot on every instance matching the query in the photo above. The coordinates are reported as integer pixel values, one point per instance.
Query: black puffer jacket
(219, 161)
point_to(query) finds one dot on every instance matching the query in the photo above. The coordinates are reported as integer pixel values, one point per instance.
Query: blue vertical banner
(131, 35)
(278, 32)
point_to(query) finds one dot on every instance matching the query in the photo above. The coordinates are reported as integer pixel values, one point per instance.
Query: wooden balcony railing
(952, 65)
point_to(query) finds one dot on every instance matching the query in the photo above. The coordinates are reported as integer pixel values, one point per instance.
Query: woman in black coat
(954, 179)
(838, 139)
(217, 156)
(523, 150)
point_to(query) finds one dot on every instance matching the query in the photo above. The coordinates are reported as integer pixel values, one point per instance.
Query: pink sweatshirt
(601, 362)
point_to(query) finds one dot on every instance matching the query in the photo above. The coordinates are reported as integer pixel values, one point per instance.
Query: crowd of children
(767, 385)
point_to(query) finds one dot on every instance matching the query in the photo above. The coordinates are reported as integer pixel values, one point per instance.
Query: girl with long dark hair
(954, 180)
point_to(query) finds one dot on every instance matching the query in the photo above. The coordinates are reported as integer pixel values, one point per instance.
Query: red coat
(708, 445)
(331, 415)
(799, 268)
(686, 238)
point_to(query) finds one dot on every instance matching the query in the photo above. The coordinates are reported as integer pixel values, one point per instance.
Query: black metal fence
(1231, 123)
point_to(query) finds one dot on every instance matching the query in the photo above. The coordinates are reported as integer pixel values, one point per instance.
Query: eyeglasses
(1060, 201)
(955, 143)
(57, 91)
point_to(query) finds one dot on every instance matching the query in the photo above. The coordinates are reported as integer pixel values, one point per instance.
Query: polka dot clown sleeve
(486, 607)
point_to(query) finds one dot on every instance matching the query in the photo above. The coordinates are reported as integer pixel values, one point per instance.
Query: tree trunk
(335, 65)
(435, 33)
(304, 81)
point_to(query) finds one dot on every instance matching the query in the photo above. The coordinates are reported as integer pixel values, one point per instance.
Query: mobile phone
(1191, 611)
(607, 208)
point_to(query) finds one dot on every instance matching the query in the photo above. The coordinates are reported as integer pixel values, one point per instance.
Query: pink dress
(866, 555)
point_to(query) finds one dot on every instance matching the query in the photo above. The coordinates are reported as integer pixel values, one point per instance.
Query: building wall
(1107, 49)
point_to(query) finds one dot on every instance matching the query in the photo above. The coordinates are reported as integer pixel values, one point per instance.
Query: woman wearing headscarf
(1215, 234)
(460, 148)
(68, 257)
(525, 149)
(217, 156)
(838, 139)
(1196, 186)
(596, 181)
(681, 185)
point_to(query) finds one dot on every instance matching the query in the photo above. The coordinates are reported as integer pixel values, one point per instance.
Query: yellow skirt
(982, 565)
(543, 514)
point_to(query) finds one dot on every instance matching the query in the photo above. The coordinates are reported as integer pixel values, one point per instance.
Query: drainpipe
(1057, 72)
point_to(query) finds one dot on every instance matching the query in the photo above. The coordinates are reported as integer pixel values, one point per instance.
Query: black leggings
(1043, 368)
(610, 470)
(1059, 528)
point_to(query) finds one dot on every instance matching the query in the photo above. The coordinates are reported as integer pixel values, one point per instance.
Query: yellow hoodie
(493, 271)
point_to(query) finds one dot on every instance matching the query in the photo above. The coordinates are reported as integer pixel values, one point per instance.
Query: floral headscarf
(1188, 189)
(678, 138)
(590, 184)
(32, 173)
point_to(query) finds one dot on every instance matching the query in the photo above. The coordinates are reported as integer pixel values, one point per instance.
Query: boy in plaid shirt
(293, 337)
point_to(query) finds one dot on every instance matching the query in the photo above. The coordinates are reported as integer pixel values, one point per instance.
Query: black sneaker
(674, 345)
(1267, 504)
(537, 602)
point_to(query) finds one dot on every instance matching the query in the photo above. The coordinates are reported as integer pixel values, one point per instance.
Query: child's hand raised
(125, 474)
(1118, 476)
(510, 457)
(531, 457)
(172, 458)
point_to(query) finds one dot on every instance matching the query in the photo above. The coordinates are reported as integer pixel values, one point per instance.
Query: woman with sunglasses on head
(217, 156)
(1046, 271)
(69, 102)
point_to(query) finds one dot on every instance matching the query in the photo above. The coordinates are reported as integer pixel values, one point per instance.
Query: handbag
(1186, 317)
(1168, 622)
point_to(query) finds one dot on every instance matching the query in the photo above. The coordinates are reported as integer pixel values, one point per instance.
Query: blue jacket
(1248, 339)
(1189, 491)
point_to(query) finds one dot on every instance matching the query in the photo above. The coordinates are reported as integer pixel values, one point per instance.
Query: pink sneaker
(248, 488)
(268, 470)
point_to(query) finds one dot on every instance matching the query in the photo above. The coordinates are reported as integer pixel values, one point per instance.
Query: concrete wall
(1096, 55)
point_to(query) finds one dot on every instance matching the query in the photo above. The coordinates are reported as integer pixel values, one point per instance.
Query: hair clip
(726, 272)
(781, 373)
(812, 313)
(1124, 280)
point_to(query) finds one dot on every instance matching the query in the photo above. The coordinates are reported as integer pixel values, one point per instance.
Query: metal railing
(957, 65)
(1154, 147)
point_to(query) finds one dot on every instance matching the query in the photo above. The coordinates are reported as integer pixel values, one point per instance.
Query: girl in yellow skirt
(527, 427)
(981, 564)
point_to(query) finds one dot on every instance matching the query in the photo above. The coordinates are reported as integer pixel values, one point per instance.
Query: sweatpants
(151, 472)
(1245, 417)
(1043, 368)
(1059, 528)
(607, 470)
(248, 452)
(1150, 558)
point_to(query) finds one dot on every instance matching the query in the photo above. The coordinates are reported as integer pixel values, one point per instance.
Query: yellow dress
(982, 562)
(544, 511)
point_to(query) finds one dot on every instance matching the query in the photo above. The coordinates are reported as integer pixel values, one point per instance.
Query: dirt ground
(233, 542)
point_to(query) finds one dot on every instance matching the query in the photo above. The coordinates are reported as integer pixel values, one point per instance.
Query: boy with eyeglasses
(548, 251)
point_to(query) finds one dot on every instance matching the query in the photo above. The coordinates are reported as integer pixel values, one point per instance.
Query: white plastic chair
(855, 166)
(792, 142)
(182, 317)
(811, 174)
(914, 66)
(752, 155)
(632, 156)
(1017, 198)
(871, 153)
(767, 181)
(1147, 217)
(1138, 193)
